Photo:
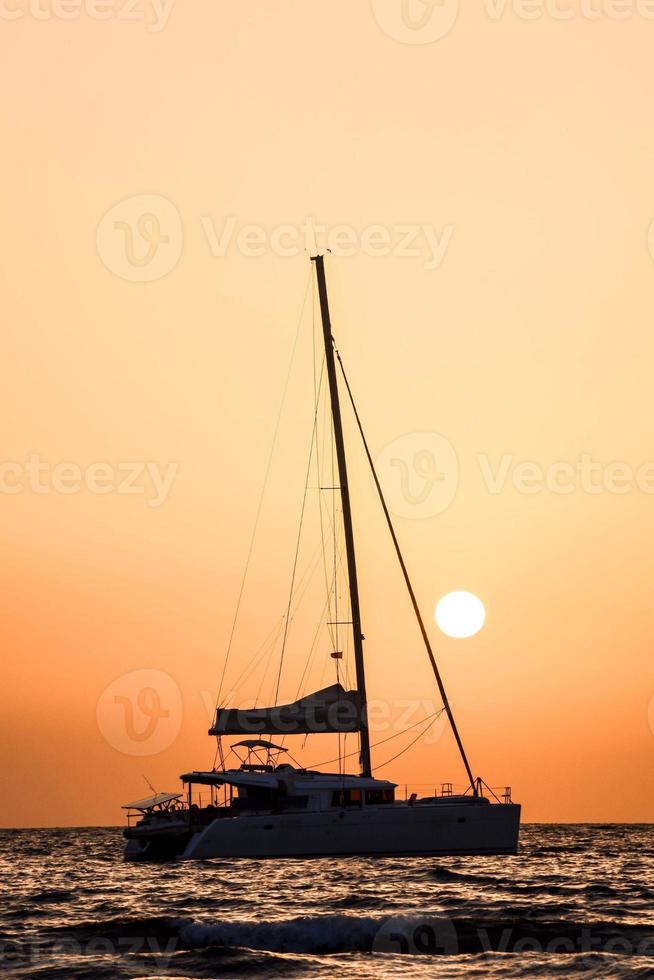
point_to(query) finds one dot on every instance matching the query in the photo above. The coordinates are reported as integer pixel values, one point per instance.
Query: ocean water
(575, 900)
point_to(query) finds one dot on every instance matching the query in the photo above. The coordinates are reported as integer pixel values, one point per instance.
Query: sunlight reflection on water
(575, 899)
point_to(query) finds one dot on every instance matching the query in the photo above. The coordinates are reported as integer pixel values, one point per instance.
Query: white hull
(385, 831)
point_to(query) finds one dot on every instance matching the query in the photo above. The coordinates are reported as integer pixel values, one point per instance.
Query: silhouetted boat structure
(269, 808)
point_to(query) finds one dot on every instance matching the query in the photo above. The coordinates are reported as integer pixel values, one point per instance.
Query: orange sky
(526, 149)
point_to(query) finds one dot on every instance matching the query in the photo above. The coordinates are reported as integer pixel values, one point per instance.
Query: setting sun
(460, 615)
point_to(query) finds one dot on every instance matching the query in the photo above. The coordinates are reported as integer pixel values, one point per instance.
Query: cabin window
(346, 797)
(253, 798)
(376, 796)
(263, 798)
(293, 803)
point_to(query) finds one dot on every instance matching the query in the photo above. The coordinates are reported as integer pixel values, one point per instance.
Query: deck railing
(407, 791)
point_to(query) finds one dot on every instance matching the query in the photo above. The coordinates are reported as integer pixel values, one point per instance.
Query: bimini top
(258, 743)
(157, 800)
(328, 711)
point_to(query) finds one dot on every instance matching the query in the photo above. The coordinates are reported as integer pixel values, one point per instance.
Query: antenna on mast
(154, 792)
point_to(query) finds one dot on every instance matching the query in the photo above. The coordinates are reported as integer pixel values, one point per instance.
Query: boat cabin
(283, 789)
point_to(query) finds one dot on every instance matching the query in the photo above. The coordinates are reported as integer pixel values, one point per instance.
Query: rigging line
(297, 598)
(264, 662)
(265, 484)
(149, 783)
(264, 674)
(275, 633)
(341, 553)
(303, 585)
(320, 500)
(315, 399)
(261, 650)
(328, 587)
(328, 662)
(270, 647)
(307, 665)
(297, 549)
(334, 545)
(327, 609)
(316, 396)
(410, 745)
(328, 581)
(414, 601)
(430, 718)
(267, 647)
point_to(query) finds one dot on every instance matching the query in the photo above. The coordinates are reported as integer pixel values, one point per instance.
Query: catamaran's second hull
(400, 829)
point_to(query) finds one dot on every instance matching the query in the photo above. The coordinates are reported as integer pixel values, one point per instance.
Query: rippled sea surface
(575, 900)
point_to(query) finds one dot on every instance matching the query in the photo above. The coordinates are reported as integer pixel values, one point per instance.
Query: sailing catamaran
(266, 807)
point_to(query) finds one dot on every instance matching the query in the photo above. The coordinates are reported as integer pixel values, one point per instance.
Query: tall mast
(347, 515)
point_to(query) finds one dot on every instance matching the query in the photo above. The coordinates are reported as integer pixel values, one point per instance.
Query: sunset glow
(487, 199)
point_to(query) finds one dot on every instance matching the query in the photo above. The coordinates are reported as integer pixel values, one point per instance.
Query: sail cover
(331, 710)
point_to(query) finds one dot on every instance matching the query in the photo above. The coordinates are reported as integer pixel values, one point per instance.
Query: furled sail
(331, 710)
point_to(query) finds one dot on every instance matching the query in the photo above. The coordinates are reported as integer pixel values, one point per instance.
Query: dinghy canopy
(331, 710)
